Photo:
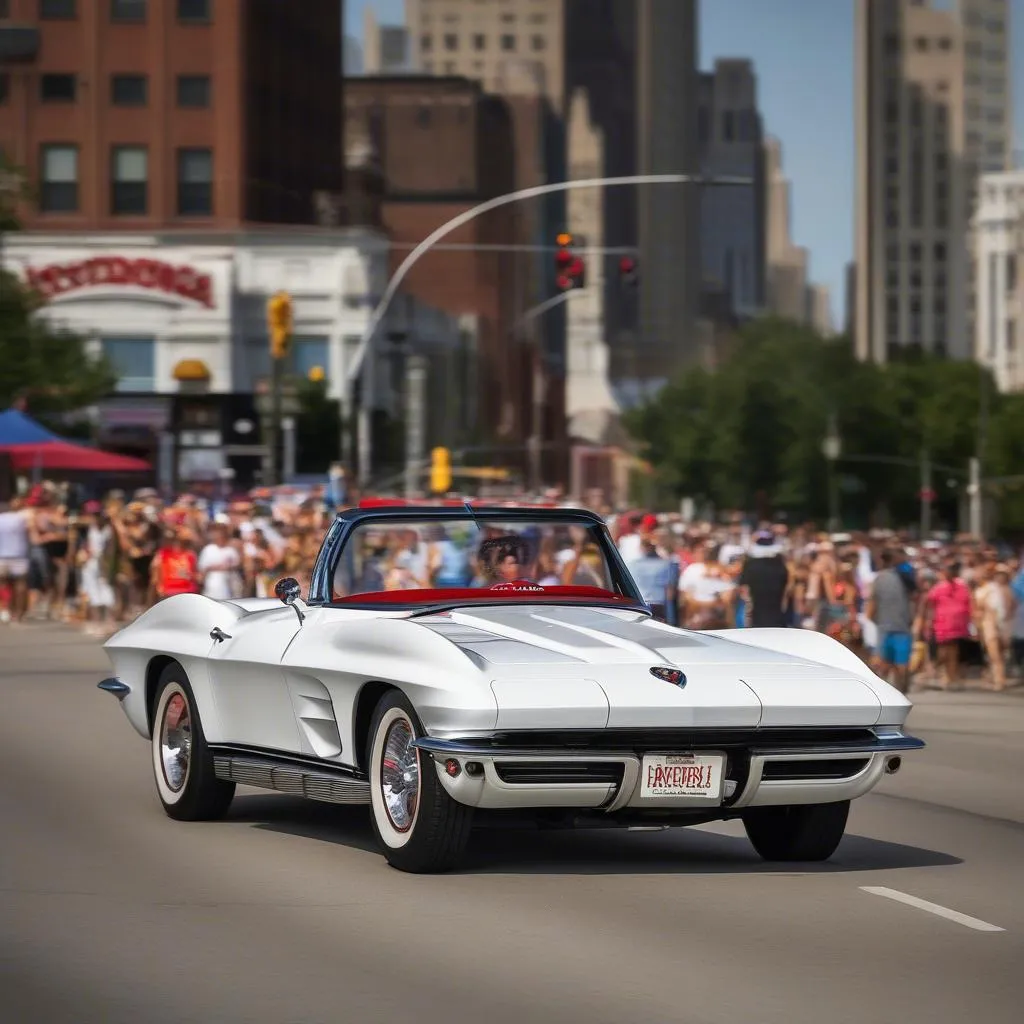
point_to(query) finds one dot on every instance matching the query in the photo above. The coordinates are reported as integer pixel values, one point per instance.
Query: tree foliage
(48, 370)
(750, 435)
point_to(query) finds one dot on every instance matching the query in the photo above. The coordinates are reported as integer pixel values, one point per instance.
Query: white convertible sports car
(452, 664)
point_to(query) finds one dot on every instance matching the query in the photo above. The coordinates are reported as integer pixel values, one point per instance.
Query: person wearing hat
(765, 581)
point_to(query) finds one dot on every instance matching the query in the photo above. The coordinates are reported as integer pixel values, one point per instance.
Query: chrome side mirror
(288, 592)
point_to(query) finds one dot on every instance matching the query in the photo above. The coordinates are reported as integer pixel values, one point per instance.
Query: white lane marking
(932, 908)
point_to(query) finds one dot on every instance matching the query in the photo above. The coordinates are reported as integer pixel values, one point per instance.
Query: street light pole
(832, 448)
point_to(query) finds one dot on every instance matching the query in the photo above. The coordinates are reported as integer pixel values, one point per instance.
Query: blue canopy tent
(17, 428)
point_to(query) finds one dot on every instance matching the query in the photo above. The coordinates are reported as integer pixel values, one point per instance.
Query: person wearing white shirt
(218, 564)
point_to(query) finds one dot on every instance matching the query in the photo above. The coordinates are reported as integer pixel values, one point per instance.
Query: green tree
(750, 435)
(50, 371)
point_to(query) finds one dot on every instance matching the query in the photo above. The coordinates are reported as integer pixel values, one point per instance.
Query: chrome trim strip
(883, 745)
(327, 787)
(116, 687)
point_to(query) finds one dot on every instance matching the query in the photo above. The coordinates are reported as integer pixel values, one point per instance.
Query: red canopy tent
(63, 455)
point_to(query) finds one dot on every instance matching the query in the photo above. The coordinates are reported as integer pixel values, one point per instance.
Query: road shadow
(689, 851)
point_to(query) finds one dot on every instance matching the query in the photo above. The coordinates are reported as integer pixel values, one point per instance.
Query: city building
(182, 317)
(786, 270)
(352, 56)
(932, 112)
(988, 83)
(668, 216)
(819, 310)
(146, 115)
(911, 220)
(999, 278)
(491, 41)
(733, 218)
(385, 47)
(442, 146)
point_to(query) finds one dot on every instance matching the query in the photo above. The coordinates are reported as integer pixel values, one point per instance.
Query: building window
(537, 43)
(945, 43)
(5, 87)
(128, 10)
(193, 90)
(5, 8)
(423, 117)
(195, 182)
(449, 67)
(508, 43)
(133, 360)
(921, 43)
(1011, 273)
(57, 88)
(194, 10)
(129, 175)
(426, 43)
(57, 10)
(479, 41)
(451, 41)
(128, 90)
(58, 192)
(728, 126)
(940, 252)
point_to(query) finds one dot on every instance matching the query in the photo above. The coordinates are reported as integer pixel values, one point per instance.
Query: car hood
(591, 667)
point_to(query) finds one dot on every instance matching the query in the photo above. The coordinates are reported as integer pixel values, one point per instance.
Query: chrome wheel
(176, 742)
(400, 775)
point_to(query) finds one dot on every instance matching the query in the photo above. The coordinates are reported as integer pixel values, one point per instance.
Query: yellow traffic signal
(279, 322)
(440, 471)
(564, 239)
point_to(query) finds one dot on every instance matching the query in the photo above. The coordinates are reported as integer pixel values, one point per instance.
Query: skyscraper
(667, 215)
(911, 201)
(933, 112)
(490, 41)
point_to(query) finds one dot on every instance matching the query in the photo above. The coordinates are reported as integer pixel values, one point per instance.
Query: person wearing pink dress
(950, 611)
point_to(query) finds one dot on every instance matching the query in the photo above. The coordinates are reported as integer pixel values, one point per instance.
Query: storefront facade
(183, 321)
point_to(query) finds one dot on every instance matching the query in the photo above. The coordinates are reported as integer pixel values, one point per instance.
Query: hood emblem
(670, 675)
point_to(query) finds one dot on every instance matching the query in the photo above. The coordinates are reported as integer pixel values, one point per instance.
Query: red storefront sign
(102, 271)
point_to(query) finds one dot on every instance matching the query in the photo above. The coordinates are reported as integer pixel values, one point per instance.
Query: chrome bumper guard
(527, 777)
(116, 687)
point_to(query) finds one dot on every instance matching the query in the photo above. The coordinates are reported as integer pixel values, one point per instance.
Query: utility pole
(974, 493)
(415, 414)
(279, 322)
(927, 494)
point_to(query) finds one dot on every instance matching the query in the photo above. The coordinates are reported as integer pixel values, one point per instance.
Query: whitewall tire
(418, 826)
(182, 763)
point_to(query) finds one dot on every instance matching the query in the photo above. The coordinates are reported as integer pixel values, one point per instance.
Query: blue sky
(803, 54)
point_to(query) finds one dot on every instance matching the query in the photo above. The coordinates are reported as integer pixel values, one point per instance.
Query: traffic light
(570, 270)
(440, 471)
(628, 271)
(279, 322)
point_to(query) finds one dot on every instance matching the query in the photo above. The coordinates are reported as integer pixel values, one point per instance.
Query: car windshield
(426, 561)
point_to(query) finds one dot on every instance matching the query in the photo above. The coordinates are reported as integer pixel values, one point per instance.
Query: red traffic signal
(628, 270)
(569, 268)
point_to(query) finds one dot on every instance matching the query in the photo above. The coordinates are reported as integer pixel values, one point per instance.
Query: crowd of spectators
(921, 612)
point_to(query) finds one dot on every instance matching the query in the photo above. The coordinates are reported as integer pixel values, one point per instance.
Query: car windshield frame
(623, 595)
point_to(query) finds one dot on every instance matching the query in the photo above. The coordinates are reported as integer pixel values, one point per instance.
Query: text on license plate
(682, 775)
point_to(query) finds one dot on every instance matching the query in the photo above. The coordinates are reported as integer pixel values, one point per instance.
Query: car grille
(529, 773)
(825, 768)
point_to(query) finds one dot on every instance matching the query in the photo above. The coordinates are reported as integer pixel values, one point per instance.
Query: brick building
(152, 114)
(442, 146)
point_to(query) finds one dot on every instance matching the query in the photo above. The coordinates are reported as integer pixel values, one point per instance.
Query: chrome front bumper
(498, 778)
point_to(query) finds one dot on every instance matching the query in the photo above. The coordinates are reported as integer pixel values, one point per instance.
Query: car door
(248, 682)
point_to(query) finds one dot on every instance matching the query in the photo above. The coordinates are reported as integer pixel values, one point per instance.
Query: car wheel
(418, 825)
(806, 832)
(182, 762)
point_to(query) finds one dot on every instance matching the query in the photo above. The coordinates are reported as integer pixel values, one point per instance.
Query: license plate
(692, 775)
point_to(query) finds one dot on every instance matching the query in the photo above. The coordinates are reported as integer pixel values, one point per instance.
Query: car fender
(177, 628)
(811, 645)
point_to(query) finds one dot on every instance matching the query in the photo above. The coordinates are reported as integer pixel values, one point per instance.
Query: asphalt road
(110, 912)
